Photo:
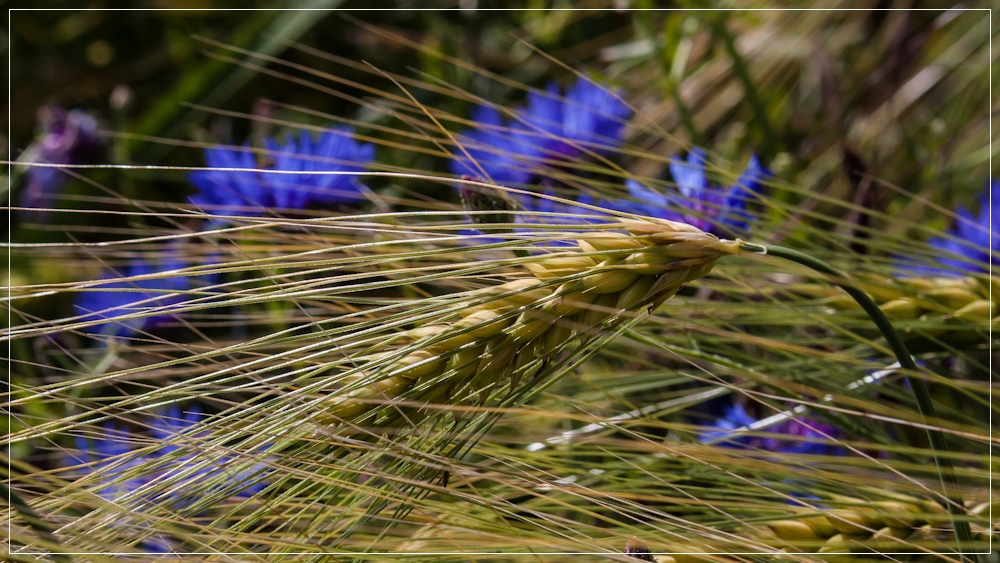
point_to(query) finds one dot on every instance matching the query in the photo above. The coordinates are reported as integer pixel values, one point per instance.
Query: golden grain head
(608, 277)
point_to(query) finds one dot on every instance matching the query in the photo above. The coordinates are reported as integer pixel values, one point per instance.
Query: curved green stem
(946, 472)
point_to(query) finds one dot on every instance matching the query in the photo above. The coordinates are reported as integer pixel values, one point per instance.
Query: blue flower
(811, 439)
(226, 192)
(967, 249)
(594, 116)
(121, 466)
(116, 299)
(710, 208)
(336, 151)
(167, 428)
(715, 209)
(589, 118)
(106, 455)
(504, 155)
(549, 128)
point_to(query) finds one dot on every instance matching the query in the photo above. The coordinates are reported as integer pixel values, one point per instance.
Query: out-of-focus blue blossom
(117, 299)
(969, 243)
(228, 192)
(587, 118)
(502, 153)
(697, 202)
(167, 428)
(811, 439)
(109, 456)
(336, 151)
(64, 137)
(225, 192)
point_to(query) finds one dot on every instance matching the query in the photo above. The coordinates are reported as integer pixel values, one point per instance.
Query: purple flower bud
(63, 137)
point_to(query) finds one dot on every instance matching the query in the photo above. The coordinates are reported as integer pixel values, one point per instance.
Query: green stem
(35, 522)
(939, 447)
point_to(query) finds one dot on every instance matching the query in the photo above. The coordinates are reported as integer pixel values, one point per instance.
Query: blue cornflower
(968, 247)
(225, 192)
(174, 423)
(549, 128)
(811, 436)
(505, 155)
(588, 118)
(64, 137)
(593, 115)
(105, 455)
(144, 295)
(713, 209)
(114, 457)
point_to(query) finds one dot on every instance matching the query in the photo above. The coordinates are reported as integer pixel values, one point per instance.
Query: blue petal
(690, 176)
(967, 250)
(594, 115)
(548, 128)
(114, 304)
(505, 155)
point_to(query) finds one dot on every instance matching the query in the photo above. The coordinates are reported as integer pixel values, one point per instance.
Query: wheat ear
(516, 327)
(965, 300)
(858, 528)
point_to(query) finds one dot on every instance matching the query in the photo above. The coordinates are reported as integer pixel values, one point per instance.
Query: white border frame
(10, 162)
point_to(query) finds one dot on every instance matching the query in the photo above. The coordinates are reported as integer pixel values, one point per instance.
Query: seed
(650, 228)
(609, 281)
(481, 324)
(556, 336)
(848, 522)
(842, 543)
(570, 302)
(895, 513)
(820, 525)
(495, 363)
(429, 330)
(529, 325)
(600, 242)
(602, 308)
(358, 401)
(694, 249)
(414, 371)
(979, 311)
(792, 530)
(952, 297)
(557, 267)
(520, 293)
(647, 263)
(889, 533)
(904, 308)
(635, 295)
(524, 358)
